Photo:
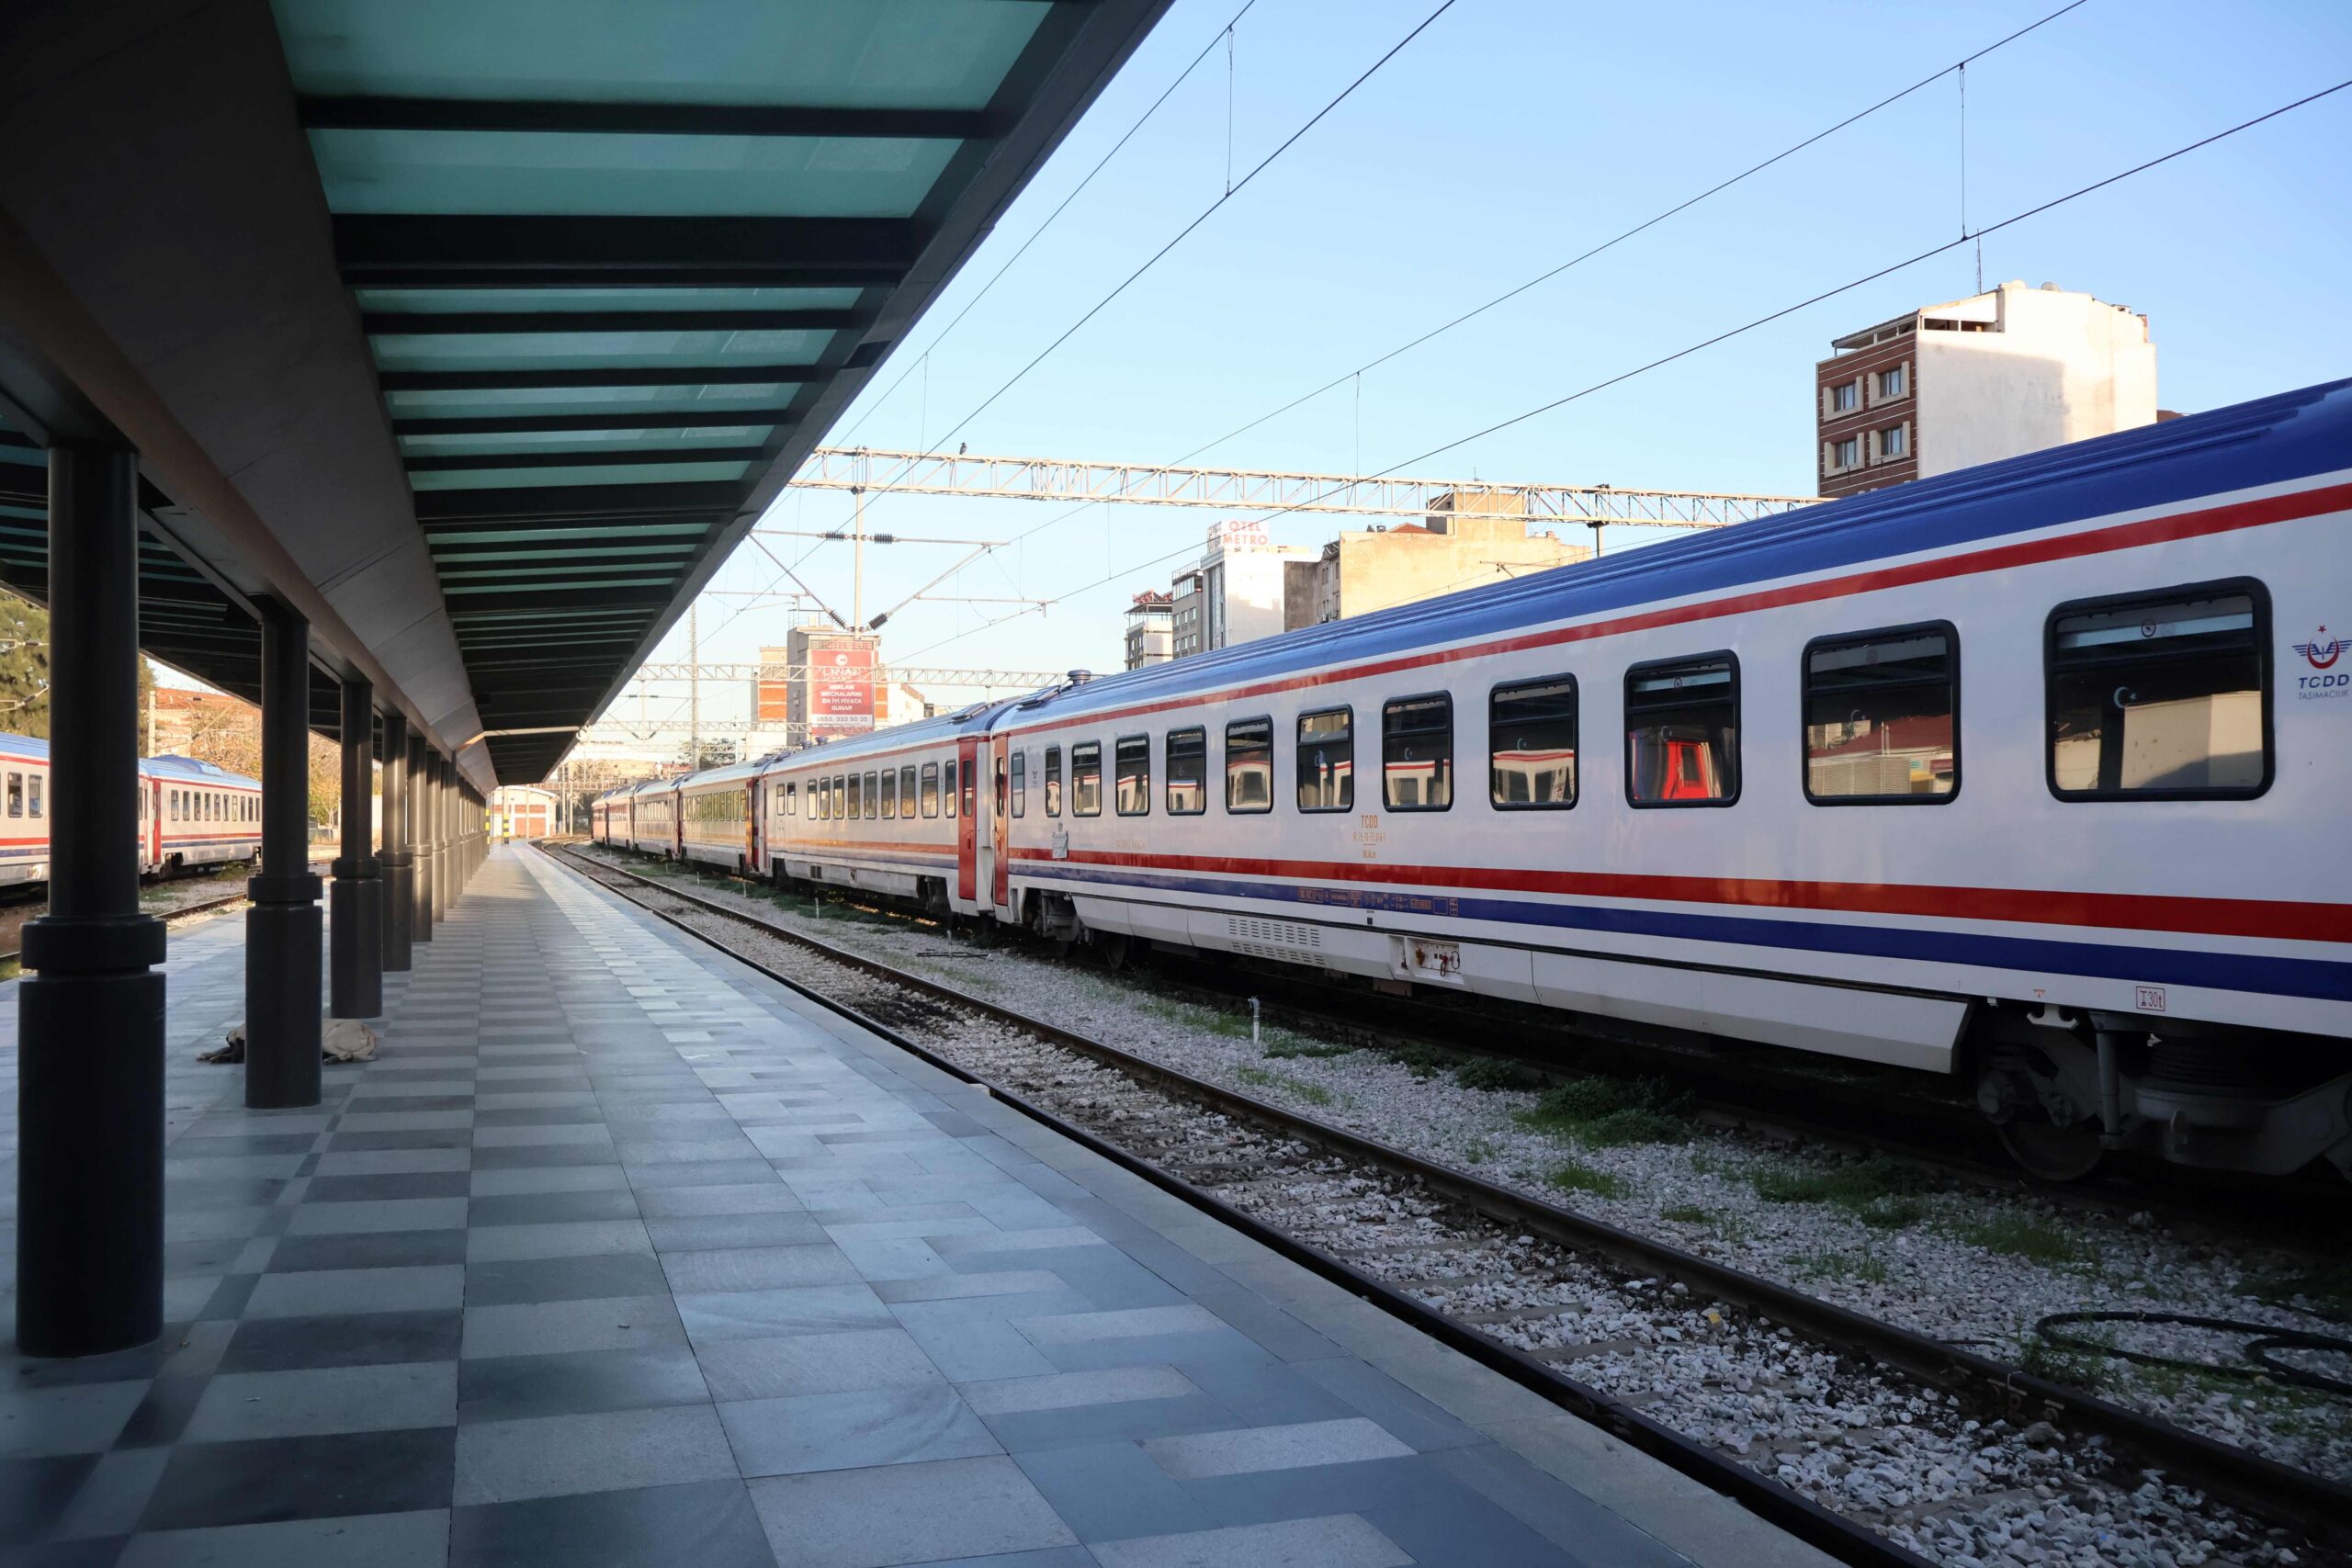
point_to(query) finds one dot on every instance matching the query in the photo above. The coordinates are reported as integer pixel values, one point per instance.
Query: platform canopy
(480, 331)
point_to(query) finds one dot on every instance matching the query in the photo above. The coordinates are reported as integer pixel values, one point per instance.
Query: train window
(906, 790)
(1003, 788)
(947, 784)
(856, 797)
(1053, 781)
(792, 799)
(1086, 779)
(1188, 772)
(1249, 765)
(931, 789)
(1531, 740)
(971, 788)
(32, 787)
(1326, 760)
(889, 792)
(1682, 731)
(1131, 776)
(2161, 697)
(1881, 712)
(873, 799)
(1020, 784)
(16, 795)
(1416, 753)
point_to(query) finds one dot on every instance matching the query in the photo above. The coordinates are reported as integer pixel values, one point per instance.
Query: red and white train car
(192, 814)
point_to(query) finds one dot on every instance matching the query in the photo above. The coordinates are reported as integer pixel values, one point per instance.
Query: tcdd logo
(2322, 653)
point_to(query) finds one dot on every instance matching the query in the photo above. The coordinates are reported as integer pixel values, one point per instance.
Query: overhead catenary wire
(1724, 336)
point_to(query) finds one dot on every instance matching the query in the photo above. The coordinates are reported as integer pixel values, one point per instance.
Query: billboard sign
(840, 688)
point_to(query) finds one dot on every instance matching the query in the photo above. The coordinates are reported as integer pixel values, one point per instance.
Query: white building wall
(2060, 367)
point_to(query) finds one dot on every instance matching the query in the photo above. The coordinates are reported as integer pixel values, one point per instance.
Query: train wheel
(2053, 1153)
(1117, 949)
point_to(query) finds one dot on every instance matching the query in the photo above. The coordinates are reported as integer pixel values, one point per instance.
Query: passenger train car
(1733, 791)
(190, 813)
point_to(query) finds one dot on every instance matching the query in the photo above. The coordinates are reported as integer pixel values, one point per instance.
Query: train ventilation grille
(1285, 940)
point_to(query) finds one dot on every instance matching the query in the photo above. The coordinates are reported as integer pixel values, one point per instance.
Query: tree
(24, 669)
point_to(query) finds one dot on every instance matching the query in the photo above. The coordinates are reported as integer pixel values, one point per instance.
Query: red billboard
(840, 688)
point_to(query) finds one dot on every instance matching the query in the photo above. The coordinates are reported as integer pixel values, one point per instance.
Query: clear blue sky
(1514, 134)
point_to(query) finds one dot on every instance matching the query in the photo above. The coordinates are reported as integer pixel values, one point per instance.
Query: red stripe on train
(2276, 918)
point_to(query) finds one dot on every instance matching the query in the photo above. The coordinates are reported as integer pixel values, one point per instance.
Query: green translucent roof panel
(553, 351)
(552, 535)
(647, 440)
(430, 302)
(582, 474)
(472, 402)
(631, 175)
(601, 552)
(868, 54)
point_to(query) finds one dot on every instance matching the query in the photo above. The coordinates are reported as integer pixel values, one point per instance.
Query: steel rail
(2277, 1493)
(203, 908)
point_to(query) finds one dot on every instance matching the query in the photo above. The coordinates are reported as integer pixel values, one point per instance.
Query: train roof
(191, 770)
(31, 748)
(972, 720)
(2271, 440)
(733, 773)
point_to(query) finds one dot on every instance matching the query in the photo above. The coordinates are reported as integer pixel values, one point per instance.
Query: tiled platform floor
(620, 1254)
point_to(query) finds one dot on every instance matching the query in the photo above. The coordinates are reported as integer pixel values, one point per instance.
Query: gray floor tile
(606, 1323)
(415, 1539)
(711, 1271)
(509, 1388)
(326, 1291)
(763, 1315)
(238, 1406)
(847, 1431)
(501, 1461)
(1110, 1492)
(707, 1524)
(1342, 1540)
(1347, 1441)
(825, 1364)
(906, 1513)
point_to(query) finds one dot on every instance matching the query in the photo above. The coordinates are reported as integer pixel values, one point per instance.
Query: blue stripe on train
(2321, 978)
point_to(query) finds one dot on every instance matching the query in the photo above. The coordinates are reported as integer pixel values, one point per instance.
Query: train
(192, 814)
(1734, 792)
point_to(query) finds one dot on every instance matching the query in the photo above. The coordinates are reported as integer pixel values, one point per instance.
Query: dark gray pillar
(90, 1010)
(420, 816)
(356, 934)
(399, 887)
(282, 926)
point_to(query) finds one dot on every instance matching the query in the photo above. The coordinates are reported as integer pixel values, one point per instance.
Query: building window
(1845, 454)
(1882, 717)
(1682, 732)
(889, 792)
(1894, 383)
(1845, 397)
(2161, 697)
(1249, 765)
(1532, 732)
(931, 789)
(1053, 781)
(1131, 776)
(1020, 784)
(1326, 760)
(1893, 440)
(1086, 779)
(1416, 753)
(1188, 772)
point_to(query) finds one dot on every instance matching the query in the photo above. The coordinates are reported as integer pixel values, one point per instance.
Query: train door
(967, 827)
(758, 797)
(999, 824)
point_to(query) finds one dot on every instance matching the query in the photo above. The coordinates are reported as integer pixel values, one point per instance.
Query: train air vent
(1285, 940)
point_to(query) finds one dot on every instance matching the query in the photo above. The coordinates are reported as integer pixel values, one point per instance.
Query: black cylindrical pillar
(398, 889)
(355, 935)
(90, 1010)
(282, 926)
(420, 816)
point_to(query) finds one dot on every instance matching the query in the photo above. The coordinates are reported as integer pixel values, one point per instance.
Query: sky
(1509, 136)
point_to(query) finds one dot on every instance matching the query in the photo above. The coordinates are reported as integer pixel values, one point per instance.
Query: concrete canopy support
(90, 1017)
(398, 882)
(282, 927)
(356, 937)
(420, 816)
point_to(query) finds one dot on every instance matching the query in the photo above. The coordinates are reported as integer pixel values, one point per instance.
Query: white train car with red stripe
(192, 814)
(1731, 789)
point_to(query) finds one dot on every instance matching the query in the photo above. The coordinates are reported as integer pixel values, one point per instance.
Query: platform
(621, 1253)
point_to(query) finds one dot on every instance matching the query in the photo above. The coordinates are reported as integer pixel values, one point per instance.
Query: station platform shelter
(620, 1252)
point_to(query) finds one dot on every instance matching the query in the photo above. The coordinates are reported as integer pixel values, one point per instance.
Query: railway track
(204, 906)
(1508, 1280)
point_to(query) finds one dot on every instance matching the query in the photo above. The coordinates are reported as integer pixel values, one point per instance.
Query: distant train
(192, 814)
(2112, 888)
